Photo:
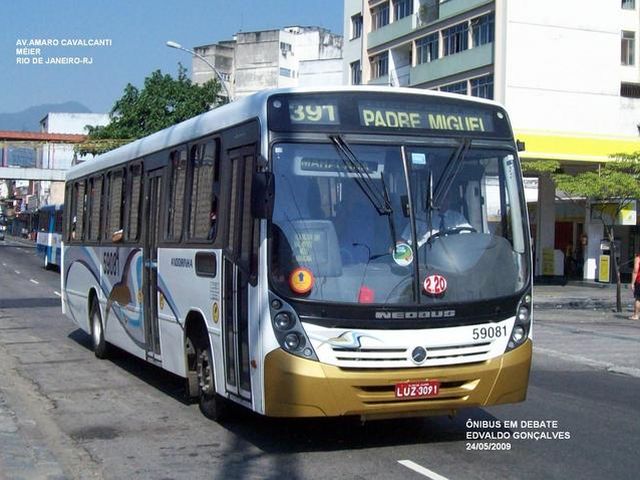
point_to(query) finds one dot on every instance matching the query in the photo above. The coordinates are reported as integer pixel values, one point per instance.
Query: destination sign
(384, 115)
(366, 111)
(313, 113)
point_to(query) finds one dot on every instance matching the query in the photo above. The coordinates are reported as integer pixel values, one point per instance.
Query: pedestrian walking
(635, 285)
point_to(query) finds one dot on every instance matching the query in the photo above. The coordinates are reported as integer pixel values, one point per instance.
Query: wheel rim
(97, 329)
(205, 377)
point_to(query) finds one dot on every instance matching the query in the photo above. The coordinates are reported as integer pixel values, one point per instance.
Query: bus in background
(313, 252)
(49, 235)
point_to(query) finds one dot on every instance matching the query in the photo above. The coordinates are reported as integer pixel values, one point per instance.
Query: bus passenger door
(151, 232)
(240, 163)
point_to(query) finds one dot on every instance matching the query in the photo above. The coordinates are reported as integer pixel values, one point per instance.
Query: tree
(162, 102)
(610, 189)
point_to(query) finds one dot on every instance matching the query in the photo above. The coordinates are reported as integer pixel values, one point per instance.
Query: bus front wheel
(100, 347)
(212, 405)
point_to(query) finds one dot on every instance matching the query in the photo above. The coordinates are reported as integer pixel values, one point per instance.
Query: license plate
(426, 389)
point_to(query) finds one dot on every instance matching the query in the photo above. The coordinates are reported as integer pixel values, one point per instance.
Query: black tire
(100, 346)
(212, 405)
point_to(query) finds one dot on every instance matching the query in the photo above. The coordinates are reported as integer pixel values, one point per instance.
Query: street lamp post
(195, 54)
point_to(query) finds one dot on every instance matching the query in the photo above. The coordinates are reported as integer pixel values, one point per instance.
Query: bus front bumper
(295, 387)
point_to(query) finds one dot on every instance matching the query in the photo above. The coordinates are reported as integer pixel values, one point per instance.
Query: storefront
(567, 233)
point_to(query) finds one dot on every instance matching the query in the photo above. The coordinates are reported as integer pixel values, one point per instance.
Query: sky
(138, 31)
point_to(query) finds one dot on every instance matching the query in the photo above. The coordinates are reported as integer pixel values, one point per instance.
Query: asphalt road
(66, 414)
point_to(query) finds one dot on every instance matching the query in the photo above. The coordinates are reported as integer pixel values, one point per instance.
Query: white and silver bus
(349, 251)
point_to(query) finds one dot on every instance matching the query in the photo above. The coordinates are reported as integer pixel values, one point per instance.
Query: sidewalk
(577, 322)
(24, 242)
(581, 295)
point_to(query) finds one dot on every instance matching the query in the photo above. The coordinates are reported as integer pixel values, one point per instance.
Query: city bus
(49, 235)
(288, 252)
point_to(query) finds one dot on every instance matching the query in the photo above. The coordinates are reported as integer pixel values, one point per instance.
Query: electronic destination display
(375, 112)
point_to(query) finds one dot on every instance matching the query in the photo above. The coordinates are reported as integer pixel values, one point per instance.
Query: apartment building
(287, 57)
(566, 71)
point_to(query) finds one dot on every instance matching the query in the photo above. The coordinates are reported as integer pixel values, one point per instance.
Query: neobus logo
(421, 314)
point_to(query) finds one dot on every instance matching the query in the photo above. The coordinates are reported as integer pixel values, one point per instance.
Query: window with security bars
(380, 65)
(402, 8)
(630, 90)
(455, 39)
(427, 48)
(458, 87)
(380, 16)
(203, 212)
(628, 4)
(483, 29)
(628, 48)
(176, 194)
(482, 87)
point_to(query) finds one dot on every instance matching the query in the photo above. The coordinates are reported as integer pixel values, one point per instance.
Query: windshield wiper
(380, 200)
(450, 172)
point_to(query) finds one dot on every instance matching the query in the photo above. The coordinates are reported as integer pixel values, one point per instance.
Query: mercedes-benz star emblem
(419, 355)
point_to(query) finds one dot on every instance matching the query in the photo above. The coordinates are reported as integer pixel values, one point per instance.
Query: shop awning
(575, 148)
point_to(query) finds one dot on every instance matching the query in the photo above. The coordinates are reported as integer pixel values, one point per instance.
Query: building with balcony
(567, 73)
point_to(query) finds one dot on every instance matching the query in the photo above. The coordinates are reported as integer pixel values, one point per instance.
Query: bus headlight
(522, 325)
(283, 321)
(288, 330)
(293, 342)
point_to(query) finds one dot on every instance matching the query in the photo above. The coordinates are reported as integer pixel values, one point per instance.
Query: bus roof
(244, 109)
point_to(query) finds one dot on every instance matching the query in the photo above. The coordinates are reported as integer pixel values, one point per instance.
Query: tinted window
(203, 216)
(176, 194)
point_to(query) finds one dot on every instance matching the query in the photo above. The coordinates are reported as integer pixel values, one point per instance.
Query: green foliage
(163, 101)
(617, 180)
(540, 167)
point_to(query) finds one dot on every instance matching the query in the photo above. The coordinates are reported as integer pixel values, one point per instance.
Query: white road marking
(57, 293)
(34, 281)
(608, 366)
(17, 272)
(421, 470)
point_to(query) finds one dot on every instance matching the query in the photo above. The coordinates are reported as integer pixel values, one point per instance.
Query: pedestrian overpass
(38, 174)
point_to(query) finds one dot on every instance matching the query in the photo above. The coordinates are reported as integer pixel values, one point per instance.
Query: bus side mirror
(262, 195)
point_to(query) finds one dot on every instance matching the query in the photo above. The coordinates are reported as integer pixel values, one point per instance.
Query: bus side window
(68, 206)
(134, 192)
(203, 208)
(96, 208)
(77, 216)
(113, 227)
(177, 183)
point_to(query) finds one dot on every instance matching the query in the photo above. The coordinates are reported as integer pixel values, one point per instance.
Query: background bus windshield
(341, 223)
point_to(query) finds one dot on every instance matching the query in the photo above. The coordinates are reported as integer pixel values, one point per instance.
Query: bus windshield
(454, 217)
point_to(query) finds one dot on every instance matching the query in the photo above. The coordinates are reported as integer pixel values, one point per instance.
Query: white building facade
(287, 57)
(566, 71)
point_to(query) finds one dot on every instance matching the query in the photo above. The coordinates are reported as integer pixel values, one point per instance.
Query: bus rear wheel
(100, 346)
